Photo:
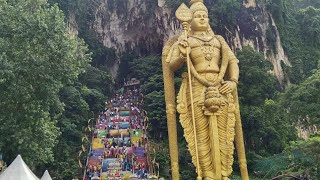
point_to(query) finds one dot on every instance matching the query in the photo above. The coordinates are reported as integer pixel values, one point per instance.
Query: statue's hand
(227, 87)
(183, 45)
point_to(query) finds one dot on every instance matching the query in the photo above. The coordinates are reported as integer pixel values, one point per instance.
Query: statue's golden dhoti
(225, 125)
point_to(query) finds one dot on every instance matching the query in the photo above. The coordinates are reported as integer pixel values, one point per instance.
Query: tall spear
(184, 15)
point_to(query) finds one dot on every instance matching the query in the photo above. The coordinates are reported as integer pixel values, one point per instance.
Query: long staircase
(119, 148)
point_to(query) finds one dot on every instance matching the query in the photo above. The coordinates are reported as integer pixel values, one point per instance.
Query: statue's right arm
(177, 59)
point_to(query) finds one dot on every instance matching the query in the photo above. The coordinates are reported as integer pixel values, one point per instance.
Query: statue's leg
(215, 146)
(202, 130)
(226, 138)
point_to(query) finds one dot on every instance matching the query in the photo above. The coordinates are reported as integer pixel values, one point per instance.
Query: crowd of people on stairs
(119, 148)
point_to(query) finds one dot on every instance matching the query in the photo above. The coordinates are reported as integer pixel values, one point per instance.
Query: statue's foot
(208, 178)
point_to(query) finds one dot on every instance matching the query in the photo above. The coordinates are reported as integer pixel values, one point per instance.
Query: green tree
(309, 21)
(71, 124)
(302, 101)
(266, 126)
(256, 83)
(223, 14)
(300, 159)
(37, 58)
(95, 78)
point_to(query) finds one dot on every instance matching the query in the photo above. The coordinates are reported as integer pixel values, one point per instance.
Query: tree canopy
(37, 58)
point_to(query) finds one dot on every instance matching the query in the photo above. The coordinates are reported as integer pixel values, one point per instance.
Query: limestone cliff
(142, 26)
(135, 25)
(250, 3)
(255, 26)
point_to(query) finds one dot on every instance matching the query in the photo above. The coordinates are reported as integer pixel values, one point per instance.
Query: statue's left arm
(233, 71)
(232, 74)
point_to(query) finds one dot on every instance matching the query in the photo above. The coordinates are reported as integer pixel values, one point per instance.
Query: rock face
(256, 28)
(249, 3)
(72, 24)
(137, 25)
(142, 26)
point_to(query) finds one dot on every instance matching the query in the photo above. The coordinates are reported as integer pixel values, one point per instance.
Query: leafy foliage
(309, 19)
(300, 160)
(223, 14)
(256, 83)
(266, 126)
(71, 125)
(38, 57)
(299, 30)
(302, 101)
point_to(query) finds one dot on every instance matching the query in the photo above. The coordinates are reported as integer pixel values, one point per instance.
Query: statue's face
(200, 21)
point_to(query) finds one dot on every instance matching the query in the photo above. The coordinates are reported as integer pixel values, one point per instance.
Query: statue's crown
(197, 5)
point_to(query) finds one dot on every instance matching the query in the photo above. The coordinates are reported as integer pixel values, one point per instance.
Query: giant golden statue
(207, 100)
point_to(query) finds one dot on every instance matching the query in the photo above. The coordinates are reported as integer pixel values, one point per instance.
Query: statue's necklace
(206, 47)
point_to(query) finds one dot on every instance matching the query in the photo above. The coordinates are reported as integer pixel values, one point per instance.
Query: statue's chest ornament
(208, 51)
(207, 46)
